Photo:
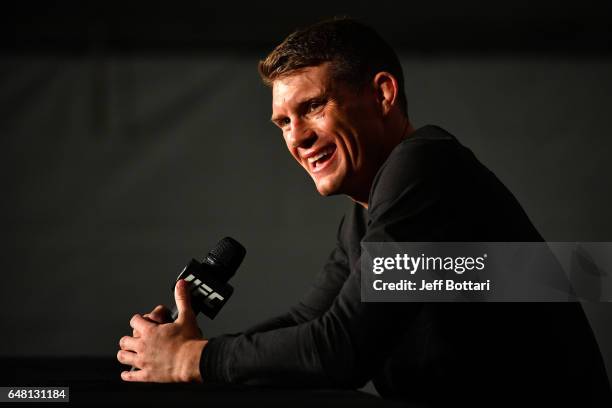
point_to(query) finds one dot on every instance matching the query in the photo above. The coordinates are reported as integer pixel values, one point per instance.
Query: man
(338, 98)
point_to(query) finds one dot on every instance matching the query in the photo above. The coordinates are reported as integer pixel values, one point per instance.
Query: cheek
(348, 143)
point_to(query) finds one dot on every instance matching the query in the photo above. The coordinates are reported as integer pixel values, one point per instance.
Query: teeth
(317, 157)
(320, 155)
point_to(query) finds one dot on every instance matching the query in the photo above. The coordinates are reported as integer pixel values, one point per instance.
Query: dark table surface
(96, 381)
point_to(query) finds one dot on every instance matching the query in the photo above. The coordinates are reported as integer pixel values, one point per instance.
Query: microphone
(208, 280)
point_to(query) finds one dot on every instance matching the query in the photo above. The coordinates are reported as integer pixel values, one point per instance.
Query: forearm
(342, 348)
(273, 323)
(280, 357)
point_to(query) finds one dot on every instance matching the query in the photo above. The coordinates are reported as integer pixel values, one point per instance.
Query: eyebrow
(300, 105)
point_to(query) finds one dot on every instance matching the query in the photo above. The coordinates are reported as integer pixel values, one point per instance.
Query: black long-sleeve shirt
(431, 188)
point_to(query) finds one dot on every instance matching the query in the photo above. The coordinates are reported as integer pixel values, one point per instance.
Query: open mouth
(318, 162)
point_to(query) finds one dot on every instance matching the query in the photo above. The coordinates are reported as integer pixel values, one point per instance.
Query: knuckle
(125, 340)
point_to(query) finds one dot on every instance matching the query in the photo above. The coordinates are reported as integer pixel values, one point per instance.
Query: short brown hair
(355, 50)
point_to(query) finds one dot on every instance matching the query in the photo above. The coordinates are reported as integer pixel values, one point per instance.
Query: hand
(164, 352)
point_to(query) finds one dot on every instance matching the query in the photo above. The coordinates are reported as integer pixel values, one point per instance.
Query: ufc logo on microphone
(204, 289)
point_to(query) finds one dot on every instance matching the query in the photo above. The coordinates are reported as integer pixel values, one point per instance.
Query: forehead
(299, 86)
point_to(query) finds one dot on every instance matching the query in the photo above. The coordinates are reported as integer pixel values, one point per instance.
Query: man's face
(332, 130)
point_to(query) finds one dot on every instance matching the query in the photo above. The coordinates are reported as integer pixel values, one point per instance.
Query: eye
(282, 122)
(314, 105)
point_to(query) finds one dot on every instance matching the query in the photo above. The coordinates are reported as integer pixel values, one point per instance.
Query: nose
(301, 135)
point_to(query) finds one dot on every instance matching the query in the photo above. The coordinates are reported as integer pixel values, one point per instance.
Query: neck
(405, 130)
(408, 129)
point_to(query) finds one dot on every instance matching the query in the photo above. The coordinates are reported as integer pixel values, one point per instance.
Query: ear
(386, 89)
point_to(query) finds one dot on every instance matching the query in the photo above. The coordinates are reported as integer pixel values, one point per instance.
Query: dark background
(135, 136)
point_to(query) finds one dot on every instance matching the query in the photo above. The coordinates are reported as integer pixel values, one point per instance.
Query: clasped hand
(162, 350)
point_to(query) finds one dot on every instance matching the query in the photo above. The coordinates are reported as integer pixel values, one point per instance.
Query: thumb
(182, 298)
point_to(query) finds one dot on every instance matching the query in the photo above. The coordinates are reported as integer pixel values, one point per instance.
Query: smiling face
(333, 131)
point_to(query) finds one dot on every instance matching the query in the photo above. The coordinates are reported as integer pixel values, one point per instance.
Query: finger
(136, 333)
(126, 357)
(140, 323)
(135, 376)
(161, 314)
(182, 297)
(148, 317)
(129, 343)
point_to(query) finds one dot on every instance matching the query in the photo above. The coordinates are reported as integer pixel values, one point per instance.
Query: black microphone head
(229, 254)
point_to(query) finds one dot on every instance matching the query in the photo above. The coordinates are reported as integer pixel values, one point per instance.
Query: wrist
(189, 361)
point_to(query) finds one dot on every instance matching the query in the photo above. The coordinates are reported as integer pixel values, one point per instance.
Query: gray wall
(117, 170)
